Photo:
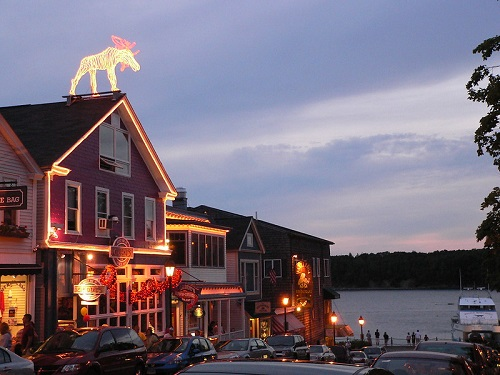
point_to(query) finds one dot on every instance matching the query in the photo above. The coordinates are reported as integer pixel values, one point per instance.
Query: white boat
(476, 315)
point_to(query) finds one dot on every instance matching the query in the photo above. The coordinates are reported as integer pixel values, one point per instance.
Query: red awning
(278, 323)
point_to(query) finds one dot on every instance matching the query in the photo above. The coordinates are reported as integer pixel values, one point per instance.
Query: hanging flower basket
(7, 230)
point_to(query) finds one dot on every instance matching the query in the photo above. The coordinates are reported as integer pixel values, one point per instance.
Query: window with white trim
(102, 211)
(150, 218)
(326, 267)
(316, 262)
(249, 239)
(73, 207)
(128, 215)
(249, 276)
(114, 147)
(269, 264)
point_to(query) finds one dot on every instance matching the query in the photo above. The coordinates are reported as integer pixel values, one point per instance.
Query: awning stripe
(278, 323)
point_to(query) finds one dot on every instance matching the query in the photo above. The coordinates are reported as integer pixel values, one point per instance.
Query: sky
(346, 120)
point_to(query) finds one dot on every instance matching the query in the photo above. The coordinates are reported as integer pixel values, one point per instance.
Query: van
(289, 346)
(91, 351)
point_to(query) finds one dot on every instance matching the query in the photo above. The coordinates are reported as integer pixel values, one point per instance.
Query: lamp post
(285, 304)
(333, 319)
(169, 271)
(361, 322)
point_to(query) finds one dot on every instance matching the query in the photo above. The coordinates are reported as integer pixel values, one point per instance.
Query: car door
(126, 349)
(107, 354)
(262, 349)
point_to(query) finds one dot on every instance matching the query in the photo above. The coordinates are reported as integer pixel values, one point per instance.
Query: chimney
(181, 200)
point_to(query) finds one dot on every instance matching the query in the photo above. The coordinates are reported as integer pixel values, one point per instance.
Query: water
(400, 311)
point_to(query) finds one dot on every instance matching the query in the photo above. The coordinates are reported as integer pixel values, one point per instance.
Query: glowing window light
(107, 60)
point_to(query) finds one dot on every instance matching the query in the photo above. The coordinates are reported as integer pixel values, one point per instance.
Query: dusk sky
(346, 120)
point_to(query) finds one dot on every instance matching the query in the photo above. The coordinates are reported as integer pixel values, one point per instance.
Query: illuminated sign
(189, 294)
(14, 198)
(107, 60)
(303, 284)
(121, 252)
(89, 290)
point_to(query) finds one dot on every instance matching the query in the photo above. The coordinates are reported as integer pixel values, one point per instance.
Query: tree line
(437, 270)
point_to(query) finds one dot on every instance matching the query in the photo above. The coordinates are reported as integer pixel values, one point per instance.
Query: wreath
(108, 278)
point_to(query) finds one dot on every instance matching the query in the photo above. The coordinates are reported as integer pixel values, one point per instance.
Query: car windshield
(280, 340)
(170, 346)
(316, 349)
(358, 354)
(372, 350)
(70, 341)
(406, 366)
(463, 350)
(235, 345)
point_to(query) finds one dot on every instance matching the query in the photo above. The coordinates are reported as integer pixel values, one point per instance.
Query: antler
(121, 43)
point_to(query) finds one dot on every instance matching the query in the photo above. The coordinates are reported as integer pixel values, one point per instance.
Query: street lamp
(333, 319)
(169, 271)
(361, 322)
(285, 304)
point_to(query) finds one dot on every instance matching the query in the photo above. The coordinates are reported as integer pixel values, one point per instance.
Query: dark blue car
(169, 355)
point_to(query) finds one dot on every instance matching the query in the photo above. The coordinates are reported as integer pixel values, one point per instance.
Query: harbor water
(398, 312)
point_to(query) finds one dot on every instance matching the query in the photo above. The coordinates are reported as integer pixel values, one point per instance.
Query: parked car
(274, 367)
(341, 353)
(99, 350)
(418, 362)
(11, 363)
(320, 353)
(473, 352)
(360, 357)
(170, 355)
(372, 352)
(289, 346)
(245, 348)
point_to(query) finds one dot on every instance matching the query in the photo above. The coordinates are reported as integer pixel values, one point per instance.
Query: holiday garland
(148, 288)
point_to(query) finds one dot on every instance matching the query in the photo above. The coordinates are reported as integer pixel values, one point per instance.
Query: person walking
(408, 339)
(386, 338)
(418, 337)
(377, 337)
(413, 338)
(5, 335)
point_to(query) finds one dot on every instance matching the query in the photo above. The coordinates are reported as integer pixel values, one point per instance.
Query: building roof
(220, 216)
(51, 131)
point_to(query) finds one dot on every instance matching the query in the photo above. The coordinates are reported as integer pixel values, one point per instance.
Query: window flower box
(7, 230)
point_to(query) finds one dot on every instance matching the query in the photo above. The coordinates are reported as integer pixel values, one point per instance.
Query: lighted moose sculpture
(107, 60)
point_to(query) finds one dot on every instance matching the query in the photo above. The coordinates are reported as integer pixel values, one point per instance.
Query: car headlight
(178, 359)
(71, 368)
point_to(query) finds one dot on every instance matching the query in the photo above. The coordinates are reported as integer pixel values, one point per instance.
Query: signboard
(262, 307)
(303, 284)
(189, 294)
(89, 290)
(121, 252)
(14, 198)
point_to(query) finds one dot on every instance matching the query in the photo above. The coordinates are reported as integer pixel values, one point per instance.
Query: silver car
(321, 353)
(11, 363)
(245, 348)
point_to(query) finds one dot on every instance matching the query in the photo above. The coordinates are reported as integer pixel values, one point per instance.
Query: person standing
(386, 338)
(28, 338)
(408, 339)
(5, 336)
(369, 338)
(169, 334)
(377, 337)
(413, 338)
(426, 338)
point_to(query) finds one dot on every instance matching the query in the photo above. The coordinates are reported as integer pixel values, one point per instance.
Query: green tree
(484, 87)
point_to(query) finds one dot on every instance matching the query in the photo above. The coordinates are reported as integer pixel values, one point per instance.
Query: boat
(476, 318)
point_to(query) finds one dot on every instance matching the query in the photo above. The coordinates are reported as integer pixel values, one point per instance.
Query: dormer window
(114, 147)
